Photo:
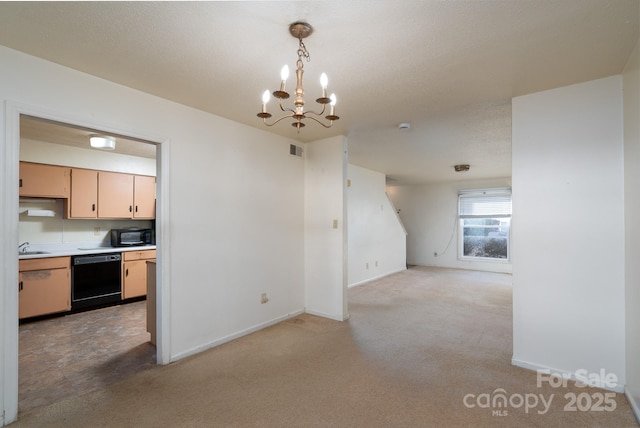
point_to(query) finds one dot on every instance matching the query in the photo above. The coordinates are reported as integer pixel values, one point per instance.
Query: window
(485, 220)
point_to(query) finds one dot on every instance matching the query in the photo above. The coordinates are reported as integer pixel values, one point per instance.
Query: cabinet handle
(136, 208)
(130, 208)
(20, 182)
(20, 286)
(93, 207)
(126, 272)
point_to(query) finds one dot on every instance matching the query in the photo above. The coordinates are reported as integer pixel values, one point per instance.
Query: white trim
(237, 335)
(10, 263)
(13, 110)
(633, 402)
(368, 280)
(335, 317)
(163, 241)
(571, 375)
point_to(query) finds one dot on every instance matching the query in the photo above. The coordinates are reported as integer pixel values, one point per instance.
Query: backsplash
(58, 230)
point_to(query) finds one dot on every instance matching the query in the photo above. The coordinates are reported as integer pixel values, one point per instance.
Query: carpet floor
(426, 347)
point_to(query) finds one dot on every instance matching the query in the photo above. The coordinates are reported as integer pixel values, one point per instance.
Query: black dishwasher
(95, 280)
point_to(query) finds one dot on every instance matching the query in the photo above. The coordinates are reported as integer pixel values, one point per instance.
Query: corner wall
(325, 247)
(631, 81)
(568, 229)
(377, 239)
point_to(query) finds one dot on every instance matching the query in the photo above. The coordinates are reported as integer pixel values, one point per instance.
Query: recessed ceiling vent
(295, 150)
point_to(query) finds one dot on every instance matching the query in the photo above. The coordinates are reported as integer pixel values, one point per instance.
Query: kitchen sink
(31, 253)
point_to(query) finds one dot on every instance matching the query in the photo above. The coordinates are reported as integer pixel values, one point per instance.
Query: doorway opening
(76, 351)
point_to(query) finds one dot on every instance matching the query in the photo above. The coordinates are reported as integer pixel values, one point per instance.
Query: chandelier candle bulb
(324, 81)
(284, 75)
(265, 99)
(332, 110)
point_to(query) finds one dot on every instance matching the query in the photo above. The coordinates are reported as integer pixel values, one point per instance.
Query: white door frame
(8, 250)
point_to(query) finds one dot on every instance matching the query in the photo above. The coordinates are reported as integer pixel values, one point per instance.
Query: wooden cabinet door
(144, 197)
(44, 181)
(138, 255)
(134, 279)
(43, 292)
(83, 202)
(115, 195)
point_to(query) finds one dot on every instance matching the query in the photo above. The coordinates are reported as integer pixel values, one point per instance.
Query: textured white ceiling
(448, 67)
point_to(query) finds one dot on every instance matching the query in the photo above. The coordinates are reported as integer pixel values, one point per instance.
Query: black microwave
(132, 237)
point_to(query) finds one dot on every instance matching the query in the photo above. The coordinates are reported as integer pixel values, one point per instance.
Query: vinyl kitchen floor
(80, 353)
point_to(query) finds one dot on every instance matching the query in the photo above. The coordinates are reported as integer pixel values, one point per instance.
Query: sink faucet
(22, 248)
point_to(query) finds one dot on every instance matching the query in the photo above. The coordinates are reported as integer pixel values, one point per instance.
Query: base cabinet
(44, 286)
(134, 272)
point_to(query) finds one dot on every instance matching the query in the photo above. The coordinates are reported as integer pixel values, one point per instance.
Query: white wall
(325, 228)
(568, 229)
(377, 239)
(430, 214)
(631, 81)
(231, 208)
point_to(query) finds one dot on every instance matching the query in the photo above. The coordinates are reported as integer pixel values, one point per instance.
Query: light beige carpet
(417, 344)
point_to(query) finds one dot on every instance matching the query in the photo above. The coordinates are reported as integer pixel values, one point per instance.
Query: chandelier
(300, 30)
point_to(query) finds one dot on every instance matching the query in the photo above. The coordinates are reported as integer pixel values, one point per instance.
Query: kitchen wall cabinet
(134, 272)
(44, 181)
(112, 195)
(44, 286)
(144, 197)
(83, 201)
(115, 195)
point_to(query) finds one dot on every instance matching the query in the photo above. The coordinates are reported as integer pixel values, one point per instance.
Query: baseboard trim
(229, 338)
(366, 281)
(633, 402)
(571, 375)
(324, 315)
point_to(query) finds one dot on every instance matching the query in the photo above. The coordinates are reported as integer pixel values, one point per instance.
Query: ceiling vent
(295, 150)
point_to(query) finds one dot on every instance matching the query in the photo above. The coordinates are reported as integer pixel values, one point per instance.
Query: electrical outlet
(96, 231)
(335, 223)
(263, 298)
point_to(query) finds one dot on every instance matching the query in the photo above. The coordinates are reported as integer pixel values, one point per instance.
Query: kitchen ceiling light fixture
(461, 168)
(103, 142)
(300, 30)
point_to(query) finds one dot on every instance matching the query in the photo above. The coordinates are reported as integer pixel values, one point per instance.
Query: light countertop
(75, 249)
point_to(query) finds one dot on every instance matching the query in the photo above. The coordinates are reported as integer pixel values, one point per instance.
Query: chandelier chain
(303, 52)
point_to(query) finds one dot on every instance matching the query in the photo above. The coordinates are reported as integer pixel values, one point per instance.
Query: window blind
(484, 203)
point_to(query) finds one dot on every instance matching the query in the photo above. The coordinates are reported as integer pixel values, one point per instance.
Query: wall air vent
(295, 150)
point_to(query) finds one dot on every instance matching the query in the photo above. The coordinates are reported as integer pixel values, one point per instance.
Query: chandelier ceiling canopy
(300, 30)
